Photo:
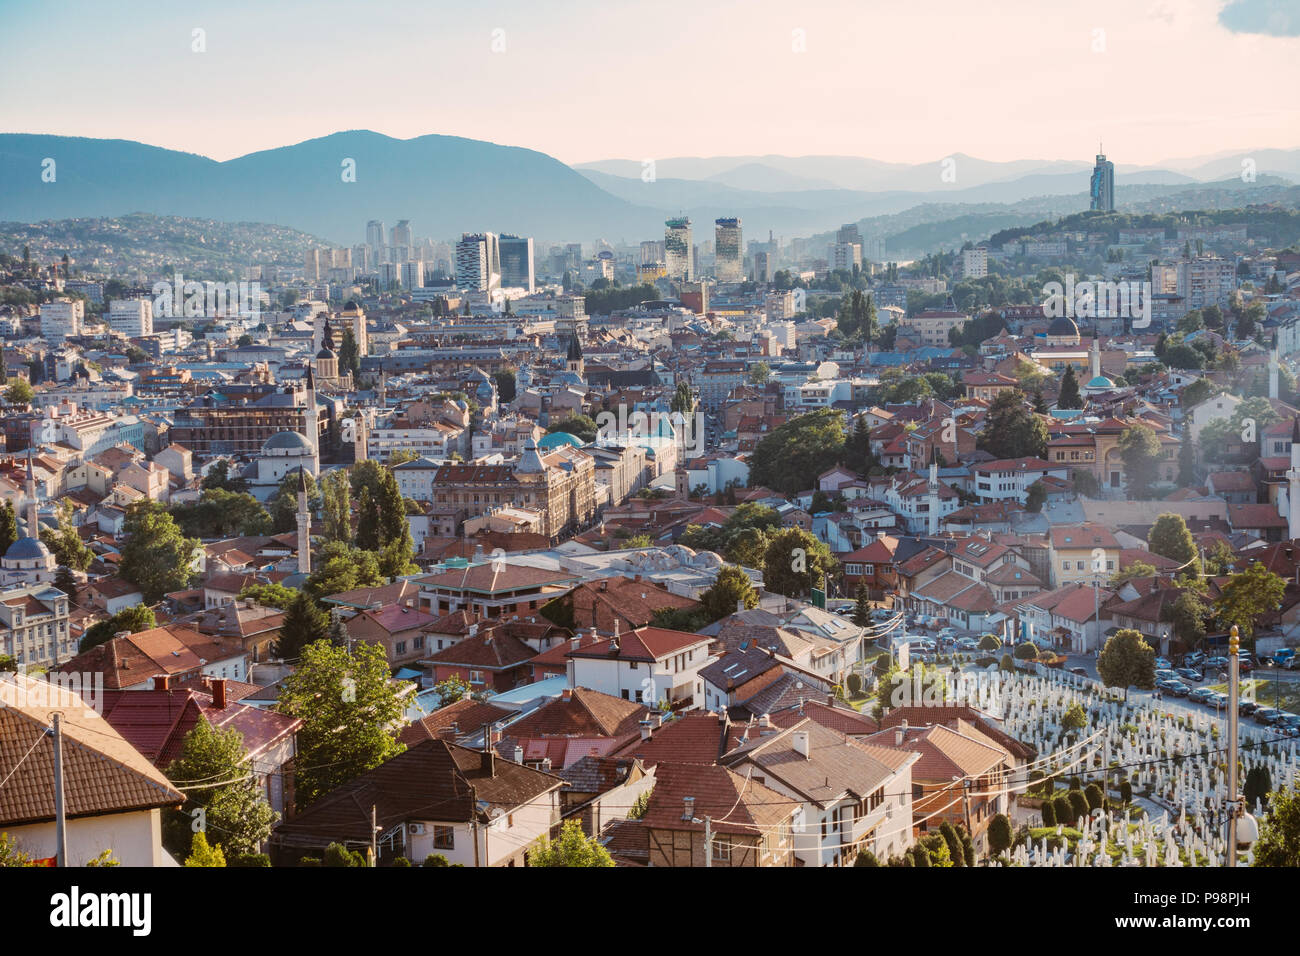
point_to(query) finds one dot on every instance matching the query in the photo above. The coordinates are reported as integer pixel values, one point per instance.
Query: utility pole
(374, 838)
(1234, 680)
(966, 805)
(708, 841)
(60, 810)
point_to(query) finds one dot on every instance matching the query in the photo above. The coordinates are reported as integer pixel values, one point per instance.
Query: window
(444, 838)
(721, 851)
(476, 677)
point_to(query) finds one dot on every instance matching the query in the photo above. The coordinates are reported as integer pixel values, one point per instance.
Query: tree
(950, 837)
(730, 589)
(8, 526)
(65, 543)
(866, 858)
(1076, 718)
(1259, 782)
(582, 427)
(1069, 396)
(235, 812)
(1187, 614)
(304, 623)
(1219, 560)
(219, 476)
(1085, 482)
(203, 855)
(790, 458)
(65, 580)
(796, 561)
(10, 854)
(1279, 833)
(572, 848)
(156, 558)
(1026, 651)
(1183, 357)
(1011, 430)
(1049, 813)
(1135, 571)
(1170, 538)
(1000, 834)
(336, 854)
(862, 605)
(270, 595)
(1127, 660)
(1246, 597)
(349, 708)
(1197, 392)
(19, 392)
(989, 642)
(336, 506)
(136, 618)
(759, 373)
(219, 513)
(1140, 450)
(1186, 462)
(283, 506)
(451, 690)
(1035, 497)
(342, 568)
(349, 354)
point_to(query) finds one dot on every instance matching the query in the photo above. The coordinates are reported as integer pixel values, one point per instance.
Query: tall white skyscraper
(375, 238)
(478, 262)
(131, 317)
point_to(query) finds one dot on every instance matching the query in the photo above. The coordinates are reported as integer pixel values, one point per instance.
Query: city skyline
(231, 91)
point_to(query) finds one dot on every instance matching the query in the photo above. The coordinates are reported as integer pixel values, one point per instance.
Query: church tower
(574, 363)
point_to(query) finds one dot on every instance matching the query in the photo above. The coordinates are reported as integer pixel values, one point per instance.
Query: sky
(583, 80)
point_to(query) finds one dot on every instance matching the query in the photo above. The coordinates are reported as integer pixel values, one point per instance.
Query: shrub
(309, 861)
(1026, 651)
(1126, 791)
(1049, 813)
(435, 859)
(950, 837)
(251, 859)
(1064, 812)
(989, 642)
(920, 856)
(1092, 793)
(1078, 805)
(336, 854)
(866, 858)
(401, 861)
(1000, 835)
(855, 685)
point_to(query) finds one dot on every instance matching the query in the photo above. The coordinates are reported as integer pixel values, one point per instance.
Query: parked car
(1283, 655)
(1218, 699)
(1164, 663)
(1202, 695)
(1246, 665)
(1267, 715)
(1081, 672)
(1165, 673)
(1175, 687)
(967, 644)
(1216, 663)
(1289, 723)
(948, 634)
(1187, 674)
(1194, 659)
(1247, 707)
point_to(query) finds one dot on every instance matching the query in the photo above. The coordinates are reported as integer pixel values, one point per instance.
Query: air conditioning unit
(415, 829)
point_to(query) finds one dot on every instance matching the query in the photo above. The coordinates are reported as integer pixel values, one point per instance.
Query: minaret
(1293, 484)
(33, 528)
(312, 430)
(1273, 369)
(934, 498)
(304, 526)
(362, 450)
(1094, 359)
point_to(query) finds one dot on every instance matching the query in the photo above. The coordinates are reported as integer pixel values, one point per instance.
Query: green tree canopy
(790, 458)
(157, 558)
(1011, 430)
(1127, 660)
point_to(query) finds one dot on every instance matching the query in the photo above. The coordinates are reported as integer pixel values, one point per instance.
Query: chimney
(646, 727)
(576, 641)
(900, 734)
(765, 720)
(546, 764)
(688, 808)
(800, 740)
(162, 682)
(830, 699)
(519, 754)
(218, 693)
(566, 694)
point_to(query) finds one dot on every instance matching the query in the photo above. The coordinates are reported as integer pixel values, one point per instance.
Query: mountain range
(446, 185)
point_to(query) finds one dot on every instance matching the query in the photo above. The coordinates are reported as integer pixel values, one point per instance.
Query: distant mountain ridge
(444, 184)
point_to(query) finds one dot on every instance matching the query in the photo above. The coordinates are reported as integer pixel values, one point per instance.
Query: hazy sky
(906, 82)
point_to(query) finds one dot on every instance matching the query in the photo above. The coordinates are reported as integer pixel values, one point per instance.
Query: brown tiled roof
(469, 716)
(735, 804)
(694, 737)
(102, 773)
(583, 712)
(433, 780)
(493, 650)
